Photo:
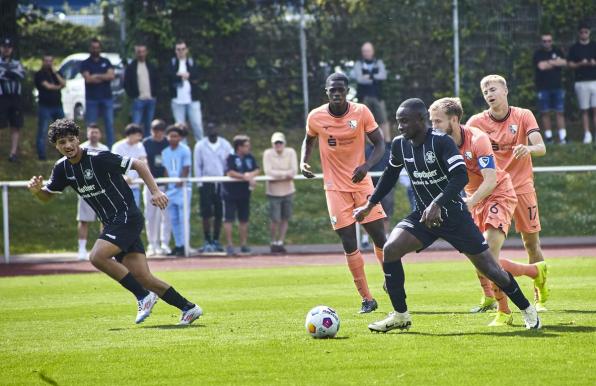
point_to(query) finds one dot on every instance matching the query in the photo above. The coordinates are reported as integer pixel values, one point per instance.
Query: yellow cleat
(502, 319)
(540, 282)
(486, 304)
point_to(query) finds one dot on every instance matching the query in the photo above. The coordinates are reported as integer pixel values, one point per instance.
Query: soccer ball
(322, 322)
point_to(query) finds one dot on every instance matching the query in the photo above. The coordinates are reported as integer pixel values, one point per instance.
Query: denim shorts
(551, 100)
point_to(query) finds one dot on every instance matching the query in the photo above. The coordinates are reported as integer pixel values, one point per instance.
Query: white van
(73, 95)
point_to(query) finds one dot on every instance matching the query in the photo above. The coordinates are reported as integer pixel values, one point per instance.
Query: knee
(532, 246)
(392, 252)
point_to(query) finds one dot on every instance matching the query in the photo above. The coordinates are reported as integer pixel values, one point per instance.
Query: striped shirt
(11, 75)
(430, 166)
(98, 179)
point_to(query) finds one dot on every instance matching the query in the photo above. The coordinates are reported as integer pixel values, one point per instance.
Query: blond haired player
(490, 198)
(515, 138)
(340, 127)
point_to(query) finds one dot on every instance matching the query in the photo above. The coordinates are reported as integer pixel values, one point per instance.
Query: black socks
(131, 284)
(515, 293)
(395, 279)
(173, 298)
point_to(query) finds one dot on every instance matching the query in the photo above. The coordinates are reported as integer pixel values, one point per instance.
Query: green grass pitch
(79, 330)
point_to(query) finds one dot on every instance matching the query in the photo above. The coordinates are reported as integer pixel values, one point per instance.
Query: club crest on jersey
(468, 155)
(513, 129)
(88, 174)
(352, 124)
(430, 157)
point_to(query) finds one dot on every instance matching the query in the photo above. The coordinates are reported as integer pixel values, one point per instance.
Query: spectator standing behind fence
(280, 163)
(241, 165)
(85, 213)
(582, 59)
(157, 222)
(132, 147)
(140, 83)
(49, 107)
(184, 88)
(99, 73)
(548, 62)
(370, 73)
(210, 159)
(12, 74)
(176, 160)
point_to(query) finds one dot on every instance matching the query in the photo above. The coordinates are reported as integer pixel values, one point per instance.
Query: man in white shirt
(132, 147)
(85, 213)
(184, 89)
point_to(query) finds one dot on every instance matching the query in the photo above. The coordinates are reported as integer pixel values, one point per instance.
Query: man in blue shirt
(99, 73)
(241, 165)
(176, 160)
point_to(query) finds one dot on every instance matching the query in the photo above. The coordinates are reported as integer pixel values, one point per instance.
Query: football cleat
(190, 315)
(540, 282)
(395, 320)
(486, 304)
(540, 307)
(501, 319)
(145, 306)
(531, 319)
(368, 306)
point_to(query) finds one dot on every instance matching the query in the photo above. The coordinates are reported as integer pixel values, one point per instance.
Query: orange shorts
(496, 211)
(526, 215)
(341, 205)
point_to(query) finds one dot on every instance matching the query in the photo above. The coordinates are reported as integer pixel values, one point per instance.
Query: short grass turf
(79, 330)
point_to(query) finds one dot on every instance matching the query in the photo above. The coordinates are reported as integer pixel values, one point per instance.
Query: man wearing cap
(12, 74)
(280, 163)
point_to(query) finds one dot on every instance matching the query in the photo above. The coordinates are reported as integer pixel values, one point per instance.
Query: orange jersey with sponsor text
(341, 144)
(504, 135)
(478, 154)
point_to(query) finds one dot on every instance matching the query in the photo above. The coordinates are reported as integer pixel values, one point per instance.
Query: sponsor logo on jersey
(86, 188)
(425, 174)
(332, 141)
(513, 129)
(88, 174)
(352, 124)
(430, 157)
(468, 155)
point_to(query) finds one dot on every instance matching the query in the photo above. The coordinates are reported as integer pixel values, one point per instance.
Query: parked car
(73, 95)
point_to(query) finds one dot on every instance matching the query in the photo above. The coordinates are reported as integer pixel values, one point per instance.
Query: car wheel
(79, 114)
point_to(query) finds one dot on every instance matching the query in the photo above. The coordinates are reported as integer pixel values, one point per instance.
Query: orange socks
(519, 269)
(379, 255)
(487, 286)
(356, 265)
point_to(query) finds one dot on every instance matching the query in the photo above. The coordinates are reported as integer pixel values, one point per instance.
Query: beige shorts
(84, 212)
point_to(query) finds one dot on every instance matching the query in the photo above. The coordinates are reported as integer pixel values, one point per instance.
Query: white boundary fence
(23, 184)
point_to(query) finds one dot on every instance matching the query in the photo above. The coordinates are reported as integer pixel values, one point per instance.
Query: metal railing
(185, 181)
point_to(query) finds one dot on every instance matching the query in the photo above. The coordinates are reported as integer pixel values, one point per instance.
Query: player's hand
(159, 199)
(305, 169)
(361, 212)
(359, 173)
(520, 151)
(431, 217)
(35, 184)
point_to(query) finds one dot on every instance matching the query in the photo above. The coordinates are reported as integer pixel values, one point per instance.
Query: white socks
(83, 245)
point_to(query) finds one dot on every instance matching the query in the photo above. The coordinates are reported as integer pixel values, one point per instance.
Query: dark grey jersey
(98, 179)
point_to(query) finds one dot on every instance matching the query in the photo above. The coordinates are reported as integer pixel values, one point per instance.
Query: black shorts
(210, 200)
(236, 208)
(127, 236)
(11, 111)
(458, 229)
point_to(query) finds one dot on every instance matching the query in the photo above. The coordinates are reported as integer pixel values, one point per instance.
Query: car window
(71, 69)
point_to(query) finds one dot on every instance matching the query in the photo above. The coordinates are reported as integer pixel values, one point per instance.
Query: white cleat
(164, 249)
(402, 321)
(190, 316)
(145, 306)
(531, 318)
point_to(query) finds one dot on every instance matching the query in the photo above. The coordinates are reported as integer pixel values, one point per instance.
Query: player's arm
(376, 137)
(35, 186)
(488, 185)
(307, 145)
(536, 147)
(158, 198)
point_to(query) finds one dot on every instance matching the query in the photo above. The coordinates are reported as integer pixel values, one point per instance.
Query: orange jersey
(341, 144)
(478, 154)
(504, 135)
